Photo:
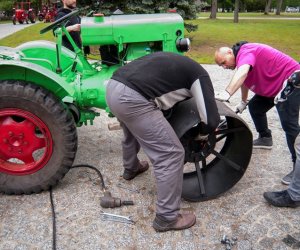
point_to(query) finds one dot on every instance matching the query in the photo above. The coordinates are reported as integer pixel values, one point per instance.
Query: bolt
(10, 133)
(21, 135)
(20, 151)
(5, 140)
(224, 239)
(25, 143)
(9, 148)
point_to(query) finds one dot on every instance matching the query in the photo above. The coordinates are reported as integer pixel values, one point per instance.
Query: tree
(236, 11)
(278, 9)
(214, 7)
(268, 6)
(186, 8)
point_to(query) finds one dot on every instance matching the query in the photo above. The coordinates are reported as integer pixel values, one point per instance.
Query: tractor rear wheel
(216, 164)
(38, 139)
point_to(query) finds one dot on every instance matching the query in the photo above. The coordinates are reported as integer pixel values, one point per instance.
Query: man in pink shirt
(263, 70)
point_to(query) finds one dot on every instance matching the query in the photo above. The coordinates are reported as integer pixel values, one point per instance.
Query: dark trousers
(288, 113)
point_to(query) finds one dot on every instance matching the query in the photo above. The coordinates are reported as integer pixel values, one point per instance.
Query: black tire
(215, 165)
(31, 17)
(41, 18)
(53, 127)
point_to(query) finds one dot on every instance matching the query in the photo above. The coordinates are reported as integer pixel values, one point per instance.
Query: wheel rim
(230, 149)
(25, 142)
(214, 166)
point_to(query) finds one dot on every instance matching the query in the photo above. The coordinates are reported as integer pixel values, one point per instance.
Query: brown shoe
(183, 221)
(143, 166)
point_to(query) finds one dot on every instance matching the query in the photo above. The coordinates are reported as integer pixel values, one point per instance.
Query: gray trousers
(294, 187)
(144, 125)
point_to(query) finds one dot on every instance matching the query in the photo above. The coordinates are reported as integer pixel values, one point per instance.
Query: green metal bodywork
(75, 80)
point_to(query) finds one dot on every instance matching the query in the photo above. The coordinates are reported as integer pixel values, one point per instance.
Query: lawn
(211, 34)
(252, 14)
(28, 34)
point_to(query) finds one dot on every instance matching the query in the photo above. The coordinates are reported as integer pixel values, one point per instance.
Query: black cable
(52, 203)
(53, 220)
(92, 167)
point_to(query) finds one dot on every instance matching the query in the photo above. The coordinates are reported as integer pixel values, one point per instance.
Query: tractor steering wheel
(60, 21)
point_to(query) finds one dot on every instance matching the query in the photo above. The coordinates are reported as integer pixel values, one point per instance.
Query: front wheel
(31, 17)
(38, 139)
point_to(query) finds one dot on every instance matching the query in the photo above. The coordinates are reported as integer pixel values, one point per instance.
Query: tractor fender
(46, 50)
(20, 70)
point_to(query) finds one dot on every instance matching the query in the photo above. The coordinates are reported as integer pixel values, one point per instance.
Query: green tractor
(46, 91)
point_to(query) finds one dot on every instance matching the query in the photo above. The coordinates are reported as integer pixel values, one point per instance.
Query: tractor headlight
(183, 44)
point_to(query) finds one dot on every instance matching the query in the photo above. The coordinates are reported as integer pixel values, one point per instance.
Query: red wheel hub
(25, 142)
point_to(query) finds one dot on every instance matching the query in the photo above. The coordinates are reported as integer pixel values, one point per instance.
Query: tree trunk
(236, 11)
(279, 4)
(267, 7)
(214, 6)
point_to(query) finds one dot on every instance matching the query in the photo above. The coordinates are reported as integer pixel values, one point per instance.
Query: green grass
(211, 34)
(251, 14)
(28, 34)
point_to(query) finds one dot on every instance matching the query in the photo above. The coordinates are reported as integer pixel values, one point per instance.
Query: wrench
(117, 218)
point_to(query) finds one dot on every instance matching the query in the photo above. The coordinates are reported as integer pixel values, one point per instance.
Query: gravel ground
(26, 222)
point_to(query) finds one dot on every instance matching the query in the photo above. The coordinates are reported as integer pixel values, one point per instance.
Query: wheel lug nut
(9, 148)
(21, 135)
(25, 143)
(5, 140)
(10, 133)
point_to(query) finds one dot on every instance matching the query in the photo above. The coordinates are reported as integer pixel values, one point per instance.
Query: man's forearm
(244, 93)
(238, 79)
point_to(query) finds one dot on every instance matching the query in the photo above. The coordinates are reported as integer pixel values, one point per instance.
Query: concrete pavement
(7, 29)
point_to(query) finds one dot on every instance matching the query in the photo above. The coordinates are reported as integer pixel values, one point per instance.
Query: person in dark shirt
(137, 95)
(73, 26)
(291, 196)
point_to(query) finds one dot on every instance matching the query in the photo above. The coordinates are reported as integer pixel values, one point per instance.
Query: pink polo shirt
(270, 68)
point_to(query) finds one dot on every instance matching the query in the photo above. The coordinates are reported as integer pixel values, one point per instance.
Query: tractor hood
(117, 29)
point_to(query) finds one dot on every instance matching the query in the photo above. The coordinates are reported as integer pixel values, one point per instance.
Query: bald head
(224, 57)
